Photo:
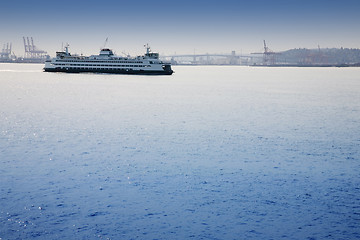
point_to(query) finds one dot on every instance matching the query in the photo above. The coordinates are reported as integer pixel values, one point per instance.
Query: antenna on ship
(148, 50)
(67, 48)
(106, 40)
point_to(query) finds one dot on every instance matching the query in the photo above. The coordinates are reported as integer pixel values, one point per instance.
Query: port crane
(268, 55)
(31, 51)
(6, 52)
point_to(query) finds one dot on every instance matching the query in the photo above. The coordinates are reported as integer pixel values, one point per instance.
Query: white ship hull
(107, 62)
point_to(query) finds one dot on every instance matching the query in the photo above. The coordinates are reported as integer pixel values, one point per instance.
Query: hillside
(319, 56)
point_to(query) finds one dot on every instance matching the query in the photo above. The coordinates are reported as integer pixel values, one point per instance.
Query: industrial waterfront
(302, 57)
(32, 53)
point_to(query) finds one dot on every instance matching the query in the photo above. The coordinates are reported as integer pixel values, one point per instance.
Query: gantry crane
(268, 55)
(31, 50)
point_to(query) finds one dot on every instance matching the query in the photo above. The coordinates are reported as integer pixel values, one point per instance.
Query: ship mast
(67, 48)
(147, 48)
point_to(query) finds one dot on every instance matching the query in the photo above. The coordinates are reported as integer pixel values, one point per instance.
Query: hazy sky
(180, 26)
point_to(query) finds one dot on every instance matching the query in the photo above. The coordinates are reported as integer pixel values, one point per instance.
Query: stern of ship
(167, 69)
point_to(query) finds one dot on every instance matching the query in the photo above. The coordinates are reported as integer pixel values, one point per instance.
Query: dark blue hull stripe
(115, 71)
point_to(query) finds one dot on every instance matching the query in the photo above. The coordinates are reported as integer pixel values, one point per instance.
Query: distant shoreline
(276, 65)
(252, 65)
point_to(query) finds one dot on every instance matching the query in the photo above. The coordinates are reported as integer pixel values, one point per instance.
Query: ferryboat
(107, 62)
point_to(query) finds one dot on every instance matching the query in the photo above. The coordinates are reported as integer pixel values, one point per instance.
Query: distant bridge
(213, 58)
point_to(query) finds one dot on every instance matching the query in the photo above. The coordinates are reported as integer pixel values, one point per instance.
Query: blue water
(207, 153)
